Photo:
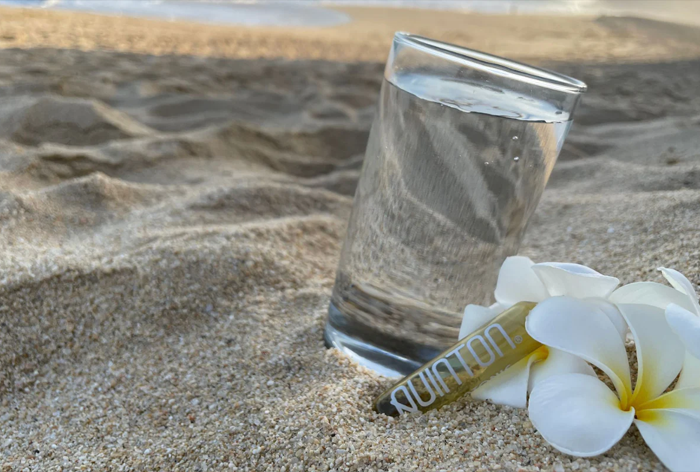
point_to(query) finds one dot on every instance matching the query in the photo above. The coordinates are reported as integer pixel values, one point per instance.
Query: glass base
(338, 333)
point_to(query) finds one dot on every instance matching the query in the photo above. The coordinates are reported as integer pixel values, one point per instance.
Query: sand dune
(170, 227)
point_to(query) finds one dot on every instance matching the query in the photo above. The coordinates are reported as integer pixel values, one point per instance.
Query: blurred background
(175, 180)
(312, 13)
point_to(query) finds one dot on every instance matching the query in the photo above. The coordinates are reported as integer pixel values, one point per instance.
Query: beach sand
(172, 202)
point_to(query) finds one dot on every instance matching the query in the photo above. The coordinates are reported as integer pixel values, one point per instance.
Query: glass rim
(494, 64)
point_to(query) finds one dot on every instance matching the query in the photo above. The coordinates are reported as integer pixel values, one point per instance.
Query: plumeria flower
(682, 312)
(580, 415)
(519, 280)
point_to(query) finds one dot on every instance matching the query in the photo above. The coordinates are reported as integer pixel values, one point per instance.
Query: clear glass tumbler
(458, 156)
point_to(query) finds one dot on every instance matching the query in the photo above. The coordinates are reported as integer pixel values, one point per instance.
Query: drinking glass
(458, 156)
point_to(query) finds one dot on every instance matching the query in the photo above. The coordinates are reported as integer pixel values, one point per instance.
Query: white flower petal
(681, 283)
(578, 414)
(686, 325)
(690, 375)
(660, 353)
(687, 400)
(518, 283)
(582, 329)
(613, 313)
(574, 280)
(650, 293)
(558, 363)
(510, 386)
(476, 316)
(673, 436)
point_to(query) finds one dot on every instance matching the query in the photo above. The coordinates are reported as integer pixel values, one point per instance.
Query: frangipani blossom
(682, 312)
(519, 280)
(685, 323)
(580, 415)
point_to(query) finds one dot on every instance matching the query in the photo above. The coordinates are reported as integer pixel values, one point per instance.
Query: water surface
(246, 14)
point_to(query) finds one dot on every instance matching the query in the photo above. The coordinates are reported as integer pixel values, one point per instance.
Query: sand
(170, 226)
